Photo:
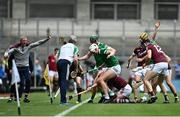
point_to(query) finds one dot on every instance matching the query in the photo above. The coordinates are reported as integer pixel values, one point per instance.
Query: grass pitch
(40, 106)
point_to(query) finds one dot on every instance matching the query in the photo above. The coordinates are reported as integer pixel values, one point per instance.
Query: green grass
(40, 106)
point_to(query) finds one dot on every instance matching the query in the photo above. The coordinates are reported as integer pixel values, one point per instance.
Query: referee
(68, 54)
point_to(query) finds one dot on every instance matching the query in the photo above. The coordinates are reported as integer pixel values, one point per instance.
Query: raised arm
(157, 25)
(37, 43)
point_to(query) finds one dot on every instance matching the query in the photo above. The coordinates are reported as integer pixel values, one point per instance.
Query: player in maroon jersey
(139, 71)
(122, 96)
(124, 89)
(53, 74)
(160, 59)
(155, 53)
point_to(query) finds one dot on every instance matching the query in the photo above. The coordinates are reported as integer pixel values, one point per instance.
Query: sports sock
(151, 93)
(107, 97)
(175, 95)
(166, 97)
(26, 95)
(78, 91)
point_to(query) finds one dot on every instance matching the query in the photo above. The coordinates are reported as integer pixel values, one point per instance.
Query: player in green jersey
(103, 55)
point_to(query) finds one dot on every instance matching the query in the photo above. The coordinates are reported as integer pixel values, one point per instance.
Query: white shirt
(68, 51)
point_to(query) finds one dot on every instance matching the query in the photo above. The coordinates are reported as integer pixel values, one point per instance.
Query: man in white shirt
(68, 54)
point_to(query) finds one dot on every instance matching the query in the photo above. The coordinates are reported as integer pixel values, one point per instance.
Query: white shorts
(126, 91)
(53, 74)
(161, 68)
(142, 71)
(116, 69)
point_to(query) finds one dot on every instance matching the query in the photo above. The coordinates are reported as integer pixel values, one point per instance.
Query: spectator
(177, 70)
(2, 76)
(38, 72)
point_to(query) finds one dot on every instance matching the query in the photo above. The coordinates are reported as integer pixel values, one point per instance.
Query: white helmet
(6, 54)
(93, 47)
(73, 37)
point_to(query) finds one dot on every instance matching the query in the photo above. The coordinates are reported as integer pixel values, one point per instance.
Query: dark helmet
(93, 38)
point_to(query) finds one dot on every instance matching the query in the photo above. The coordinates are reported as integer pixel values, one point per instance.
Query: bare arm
(85, 57)
(141, 59)
(129, 60)
(111, 51)
(167, 58)
(157, 24)
(148, 58)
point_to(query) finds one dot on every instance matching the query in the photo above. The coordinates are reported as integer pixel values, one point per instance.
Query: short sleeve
(76, 50)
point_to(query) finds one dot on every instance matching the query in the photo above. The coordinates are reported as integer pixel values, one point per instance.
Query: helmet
(143, 36)
(6, 54)
(73, 37)
(93, 47)
(93, 38)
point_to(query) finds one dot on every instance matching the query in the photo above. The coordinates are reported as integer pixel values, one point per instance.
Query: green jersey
(101, 57)
(153, 42)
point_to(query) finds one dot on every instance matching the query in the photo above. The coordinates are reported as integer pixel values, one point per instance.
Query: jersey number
(158, 49)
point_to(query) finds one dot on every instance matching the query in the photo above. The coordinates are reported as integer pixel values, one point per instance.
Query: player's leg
(136, 85)
(101, 81)
(150, 75)
(51, 78)
(159, 82)
(79, 88)
(108, 74)
(171, 86)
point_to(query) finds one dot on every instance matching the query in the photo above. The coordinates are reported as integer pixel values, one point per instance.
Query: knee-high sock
(78, 91)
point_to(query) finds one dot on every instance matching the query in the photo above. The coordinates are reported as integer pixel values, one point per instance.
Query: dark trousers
(25, 80)
(63, 72)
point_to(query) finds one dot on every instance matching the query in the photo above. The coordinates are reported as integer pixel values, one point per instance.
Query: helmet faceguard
(93, 48)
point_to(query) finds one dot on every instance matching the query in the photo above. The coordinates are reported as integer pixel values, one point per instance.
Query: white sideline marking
(71, 109)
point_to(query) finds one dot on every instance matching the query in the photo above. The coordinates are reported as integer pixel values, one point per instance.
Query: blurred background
(117, 22)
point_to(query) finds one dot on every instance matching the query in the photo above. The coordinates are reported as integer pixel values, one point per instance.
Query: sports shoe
(78, 101)
(64, 104)
(105, 101)
(9, 100)
(166, 102)
(90, 101)
(143, 99)
(152, 100)
(26, 100)
(176, 100)
(101, 100)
